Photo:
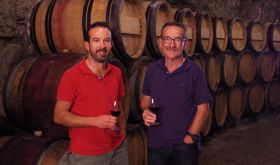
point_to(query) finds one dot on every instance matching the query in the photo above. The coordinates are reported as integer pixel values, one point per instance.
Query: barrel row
(243, 85)
(224, 70)
(245, 101)
(240, 103)
(58, 25)
(26, 149)
(136, 25)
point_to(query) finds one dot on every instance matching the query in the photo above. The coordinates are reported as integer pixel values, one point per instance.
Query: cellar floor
(249, 143)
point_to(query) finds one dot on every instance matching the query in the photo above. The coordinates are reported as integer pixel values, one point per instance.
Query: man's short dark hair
(94, 25)
(178, 24)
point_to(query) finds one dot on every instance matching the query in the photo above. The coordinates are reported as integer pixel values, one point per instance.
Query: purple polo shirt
(178, 94)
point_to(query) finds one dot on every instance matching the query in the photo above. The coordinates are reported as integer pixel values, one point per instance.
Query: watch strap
(195, 138)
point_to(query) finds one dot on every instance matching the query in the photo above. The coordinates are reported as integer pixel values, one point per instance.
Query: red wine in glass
(116, 112)
(154, 107)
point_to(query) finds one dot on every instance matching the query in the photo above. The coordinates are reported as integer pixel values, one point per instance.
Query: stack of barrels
(240, 58)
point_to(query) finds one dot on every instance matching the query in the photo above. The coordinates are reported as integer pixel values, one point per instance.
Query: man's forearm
(199, 119)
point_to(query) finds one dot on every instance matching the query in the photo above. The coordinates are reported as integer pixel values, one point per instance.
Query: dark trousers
(178, 154)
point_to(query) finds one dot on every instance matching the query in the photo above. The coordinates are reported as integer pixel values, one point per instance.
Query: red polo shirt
(91, 96)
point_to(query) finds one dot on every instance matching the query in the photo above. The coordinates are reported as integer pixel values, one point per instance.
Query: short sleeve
(202, 93)
(66, 89)
(146, 84)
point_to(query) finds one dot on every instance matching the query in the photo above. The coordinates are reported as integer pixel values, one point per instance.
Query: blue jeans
(178, 154)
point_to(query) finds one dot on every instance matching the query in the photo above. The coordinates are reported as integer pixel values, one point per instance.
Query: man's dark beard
(94, 56)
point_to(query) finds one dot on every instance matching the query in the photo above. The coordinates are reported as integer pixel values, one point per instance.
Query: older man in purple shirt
(179, 87)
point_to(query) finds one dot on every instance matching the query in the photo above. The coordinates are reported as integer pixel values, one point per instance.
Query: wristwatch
(195, 138)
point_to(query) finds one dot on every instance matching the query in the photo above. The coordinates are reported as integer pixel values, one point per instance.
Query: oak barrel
(67, 29)
(236, 102)
(137, 145)
(38, 30)
(204, 32)
(12, 98)
(220, 30)
(187, 17)
(24, 149)
(32, 101)
(213, 71)
(237, 34)
(257, 36)
(266, 65)
(247, 67)
(254, 95)
(158, 13)
(128, 22)
(53, 154)
(39, 93)
(229, 71)
(200, 60)
(272, 94)
(220, 107)
(136, 82)
(273, 35)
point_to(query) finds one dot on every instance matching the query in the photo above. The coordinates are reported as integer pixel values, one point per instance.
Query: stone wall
(14, 45)
(13, 18)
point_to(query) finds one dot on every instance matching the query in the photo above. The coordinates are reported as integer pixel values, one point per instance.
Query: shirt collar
(184, 67)
(85, 70)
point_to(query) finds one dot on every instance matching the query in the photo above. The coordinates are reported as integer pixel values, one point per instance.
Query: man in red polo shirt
(86, 95)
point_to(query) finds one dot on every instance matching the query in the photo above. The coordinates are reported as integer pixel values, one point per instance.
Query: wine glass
(116, 112)
(154, 107)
